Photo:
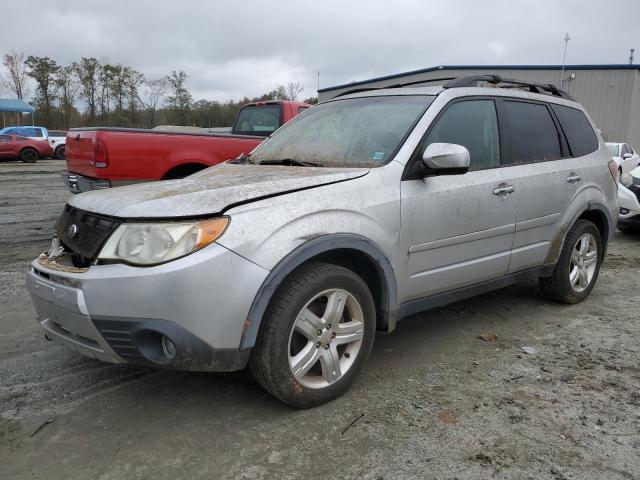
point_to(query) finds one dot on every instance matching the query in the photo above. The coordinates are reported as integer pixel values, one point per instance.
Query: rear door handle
(574, 178)
(503, 189)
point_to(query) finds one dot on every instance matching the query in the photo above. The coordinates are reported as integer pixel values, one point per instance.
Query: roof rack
(542, 88)
(397, 85)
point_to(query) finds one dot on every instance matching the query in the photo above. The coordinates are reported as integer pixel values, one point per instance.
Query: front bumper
(78, 183)
(118, 313)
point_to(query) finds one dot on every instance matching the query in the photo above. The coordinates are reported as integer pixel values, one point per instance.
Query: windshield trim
(393, 154)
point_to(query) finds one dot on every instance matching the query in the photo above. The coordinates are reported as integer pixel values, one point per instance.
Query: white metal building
(610, 93)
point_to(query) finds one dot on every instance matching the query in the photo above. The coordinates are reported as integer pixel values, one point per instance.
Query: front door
(457, 230)
(6, 147)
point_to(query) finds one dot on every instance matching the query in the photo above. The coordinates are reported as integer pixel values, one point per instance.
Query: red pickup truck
(105, 157)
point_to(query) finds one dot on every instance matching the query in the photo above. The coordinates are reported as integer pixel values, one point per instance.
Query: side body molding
(307, 251)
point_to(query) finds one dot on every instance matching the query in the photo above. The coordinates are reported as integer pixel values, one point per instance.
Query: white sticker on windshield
(377, 155)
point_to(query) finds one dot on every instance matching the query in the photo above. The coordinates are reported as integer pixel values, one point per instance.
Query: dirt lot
(435, 402)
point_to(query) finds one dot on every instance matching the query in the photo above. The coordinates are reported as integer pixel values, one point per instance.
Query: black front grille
(89, 234)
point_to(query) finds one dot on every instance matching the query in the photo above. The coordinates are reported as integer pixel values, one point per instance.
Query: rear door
(547, 178)
(458, 229)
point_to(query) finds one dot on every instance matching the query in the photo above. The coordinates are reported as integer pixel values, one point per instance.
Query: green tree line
(93, 92)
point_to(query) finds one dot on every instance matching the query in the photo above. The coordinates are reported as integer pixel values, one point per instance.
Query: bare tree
(180, 98)
(88, 70)
(293, 89)
(16, 67)
(133, 80)
(151, 96)
(67, 85)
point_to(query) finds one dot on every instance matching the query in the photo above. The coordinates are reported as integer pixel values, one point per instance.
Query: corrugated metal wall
(611, 96)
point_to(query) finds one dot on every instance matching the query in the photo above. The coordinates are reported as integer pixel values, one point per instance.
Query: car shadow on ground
(428, 336)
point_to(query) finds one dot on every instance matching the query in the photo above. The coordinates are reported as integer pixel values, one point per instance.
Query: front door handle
(574, 178)
(503, 189)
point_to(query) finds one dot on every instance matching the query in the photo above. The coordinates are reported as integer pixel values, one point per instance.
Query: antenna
(564, 57)
(631, 56)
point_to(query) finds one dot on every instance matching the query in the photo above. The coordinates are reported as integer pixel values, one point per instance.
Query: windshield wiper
(290, 162)
(241, 160)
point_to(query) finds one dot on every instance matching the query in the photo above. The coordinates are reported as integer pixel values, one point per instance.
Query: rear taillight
(100, 154)
(613, 168)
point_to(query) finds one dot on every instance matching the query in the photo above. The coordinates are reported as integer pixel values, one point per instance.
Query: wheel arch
(355, 252)
(184, 169)
(595, 212)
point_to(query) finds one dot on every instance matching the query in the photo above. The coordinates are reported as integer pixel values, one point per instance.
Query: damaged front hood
(208, 192)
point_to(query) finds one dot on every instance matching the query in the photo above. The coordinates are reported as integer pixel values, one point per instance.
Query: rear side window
(474, 125)
(5, 138)
(533, 136)
(33, 132)
(580, 135)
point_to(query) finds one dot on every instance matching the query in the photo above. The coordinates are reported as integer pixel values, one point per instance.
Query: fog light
(624, 211)
(168, 347)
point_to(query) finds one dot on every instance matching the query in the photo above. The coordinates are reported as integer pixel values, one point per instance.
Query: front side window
(260, 120)
(474, 125)
(533, 136)
(580, 135)
(354, 132)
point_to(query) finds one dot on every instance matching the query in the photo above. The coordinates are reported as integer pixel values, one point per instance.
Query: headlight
(153, 243)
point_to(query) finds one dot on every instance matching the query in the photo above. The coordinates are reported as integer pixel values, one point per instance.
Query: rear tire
(578, 266)
(321, 324)
(29, 155)
(59, 154)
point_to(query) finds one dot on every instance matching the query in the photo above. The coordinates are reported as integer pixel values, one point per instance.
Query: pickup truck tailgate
(80, 152)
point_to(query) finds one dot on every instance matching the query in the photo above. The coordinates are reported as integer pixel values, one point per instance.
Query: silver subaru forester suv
(362, 210)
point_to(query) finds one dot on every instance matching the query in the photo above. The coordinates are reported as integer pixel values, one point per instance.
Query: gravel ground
(436, 401)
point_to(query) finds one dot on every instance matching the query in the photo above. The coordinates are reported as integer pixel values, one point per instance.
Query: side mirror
(446, 159)
(626, 156)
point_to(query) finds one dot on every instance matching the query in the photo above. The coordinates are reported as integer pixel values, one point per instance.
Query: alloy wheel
(326, 338)
(584, 259)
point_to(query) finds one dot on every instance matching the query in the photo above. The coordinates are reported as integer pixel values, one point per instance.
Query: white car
(58, 140)
(626, 158)
(629, 198)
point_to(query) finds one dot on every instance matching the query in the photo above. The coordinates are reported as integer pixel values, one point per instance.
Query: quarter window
(580, 135)
(533, 136)
(474, 125)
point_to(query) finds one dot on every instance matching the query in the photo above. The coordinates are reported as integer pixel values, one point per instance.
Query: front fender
(306, 251)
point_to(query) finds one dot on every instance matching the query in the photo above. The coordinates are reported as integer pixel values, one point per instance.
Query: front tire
(316, 335)
(29, 155)
(578, 266)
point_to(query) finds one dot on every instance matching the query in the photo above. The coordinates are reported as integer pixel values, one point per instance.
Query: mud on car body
(360, 211)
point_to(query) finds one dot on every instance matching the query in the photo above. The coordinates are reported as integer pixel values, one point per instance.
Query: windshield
(613, 149)
(353, 132)
(258, 120)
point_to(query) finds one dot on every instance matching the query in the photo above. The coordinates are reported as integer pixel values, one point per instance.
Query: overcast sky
(231, 49)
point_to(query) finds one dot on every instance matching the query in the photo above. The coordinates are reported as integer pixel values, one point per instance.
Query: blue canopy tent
(15, 106)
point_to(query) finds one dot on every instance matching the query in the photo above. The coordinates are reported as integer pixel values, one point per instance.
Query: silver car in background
(364, 209)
